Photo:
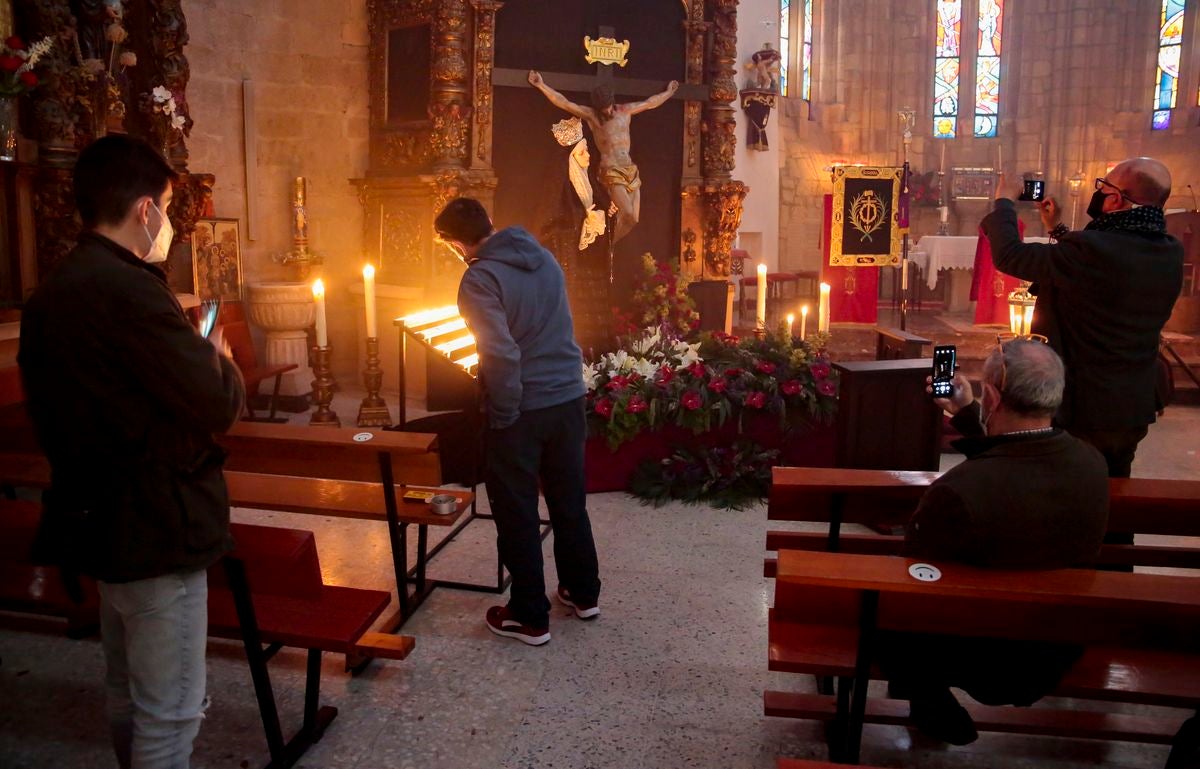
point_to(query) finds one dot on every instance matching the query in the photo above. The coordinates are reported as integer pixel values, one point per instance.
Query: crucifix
(609, 122)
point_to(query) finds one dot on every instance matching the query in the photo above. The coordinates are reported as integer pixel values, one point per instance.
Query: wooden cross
(519, 78)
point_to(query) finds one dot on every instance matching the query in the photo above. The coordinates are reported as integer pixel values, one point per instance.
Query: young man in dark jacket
(125, 397)
(514, 299)
(1028, 496)
(1103, 296)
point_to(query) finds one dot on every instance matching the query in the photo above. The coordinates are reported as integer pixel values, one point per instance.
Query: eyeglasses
(1102, 183)
(1003, 339)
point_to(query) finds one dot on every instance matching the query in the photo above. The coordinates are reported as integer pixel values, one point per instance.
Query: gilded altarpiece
(433, 85)
(78, 103)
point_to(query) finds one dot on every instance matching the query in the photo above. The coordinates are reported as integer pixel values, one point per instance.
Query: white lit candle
(790, 320)
(761, 316)
(903, 274)
(823, 310)
(804, 322)
(999, 158)
(369, 297)
(943, 165)
(319, 300)
(945, 214)
(1039, 165)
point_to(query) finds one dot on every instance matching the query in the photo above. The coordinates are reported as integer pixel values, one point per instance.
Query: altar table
(943, 252)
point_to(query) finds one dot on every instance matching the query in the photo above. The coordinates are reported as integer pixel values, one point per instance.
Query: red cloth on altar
(853, 291)
(990, 287)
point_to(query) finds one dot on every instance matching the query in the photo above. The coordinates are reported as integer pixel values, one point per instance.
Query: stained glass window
(785, 47)
(946, 69)
(1170, 45)
(806, 64)
(987, 68)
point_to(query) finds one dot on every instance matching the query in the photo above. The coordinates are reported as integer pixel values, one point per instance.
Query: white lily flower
(161, 94)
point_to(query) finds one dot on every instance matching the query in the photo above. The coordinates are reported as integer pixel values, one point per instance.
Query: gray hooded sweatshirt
(514, 299)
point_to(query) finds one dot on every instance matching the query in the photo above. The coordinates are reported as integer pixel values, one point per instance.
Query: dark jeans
(992, 671)
(545, 445)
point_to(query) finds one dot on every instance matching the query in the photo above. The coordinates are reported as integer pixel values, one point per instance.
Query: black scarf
(1140, 219)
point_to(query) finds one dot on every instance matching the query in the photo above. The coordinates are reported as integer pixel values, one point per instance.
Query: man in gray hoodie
(514, 299)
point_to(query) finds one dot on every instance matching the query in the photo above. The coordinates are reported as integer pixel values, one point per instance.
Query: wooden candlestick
(373, 411)
(323, 390)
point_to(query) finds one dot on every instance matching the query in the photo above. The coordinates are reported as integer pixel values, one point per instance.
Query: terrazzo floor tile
(671, 674)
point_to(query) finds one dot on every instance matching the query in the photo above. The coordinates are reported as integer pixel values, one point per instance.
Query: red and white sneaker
(500, 622)
(582, 610)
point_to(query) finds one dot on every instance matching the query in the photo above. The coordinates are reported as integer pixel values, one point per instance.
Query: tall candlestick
(369, 297)
(804, 322)
(761, 316)
(823, 310)
(790, 320)
(319, 300)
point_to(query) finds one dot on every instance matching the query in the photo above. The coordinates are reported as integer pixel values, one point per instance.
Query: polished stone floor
(671, 675)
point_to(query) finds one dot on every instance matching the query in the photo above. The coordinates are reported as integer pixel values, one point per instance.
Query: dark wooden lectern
(885, 419)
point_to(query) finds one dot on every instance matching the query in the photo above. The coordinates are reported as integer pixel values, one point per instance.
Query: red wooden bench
(1139, 631)
(270, 594)
(335, 472)
(881, 497)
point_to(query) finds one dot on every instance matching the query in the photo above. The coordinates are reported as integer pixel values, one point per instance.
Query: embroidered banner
(866, 218)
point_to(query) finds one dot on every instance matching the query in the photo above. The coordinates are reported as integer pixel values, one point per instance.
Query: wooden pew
(335, 472)
(269, 593)
(881, 497)
(1139, 631)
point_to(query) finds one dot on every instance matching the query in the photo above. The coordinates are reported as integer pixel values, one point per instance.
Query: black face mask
(1095, 208)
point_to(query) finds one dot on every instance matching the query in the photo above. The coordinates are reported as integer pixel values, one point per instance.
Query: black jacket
(1017, 502)
(1103, 298)
(125, 398)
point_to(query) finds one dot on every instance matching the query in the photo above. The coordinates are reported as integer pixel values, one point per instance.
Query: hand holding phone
(945, 360)
(1035, 190)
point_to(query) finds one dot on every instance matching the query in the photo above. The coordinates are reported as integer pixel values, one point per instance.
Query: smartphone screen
(945, 358)
(1035, 189)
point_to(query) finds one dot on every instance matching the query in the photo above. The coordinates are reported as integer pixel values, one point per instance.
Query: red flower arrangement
(16, 65)
(659, 382)
(660, 300)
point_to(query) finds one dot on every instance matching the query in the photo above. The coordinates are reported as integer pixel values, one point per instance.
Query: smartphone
(210, 310)
(945, 359)
(1035, 190)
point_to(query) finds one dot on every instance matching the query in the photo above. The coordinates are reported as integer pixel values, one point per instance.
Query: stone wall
(1076, 80)
(307, 60)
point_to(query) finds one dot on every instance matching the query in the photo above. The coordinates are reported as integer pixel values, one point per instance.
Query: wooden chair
(237, 333)
(1138, 631)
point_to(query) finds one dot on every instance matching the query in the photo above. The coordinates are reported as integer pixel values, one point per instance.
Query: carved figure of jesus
(609, 122)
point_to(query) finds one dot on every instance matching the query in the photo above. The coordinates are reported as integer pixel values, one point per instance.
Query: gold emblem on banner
(862, 216)
(998, 287)
(867, 213)
(606, 50)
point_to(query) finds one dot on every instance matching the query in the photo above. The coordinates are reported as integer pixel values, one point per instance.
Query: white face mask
(160, 244)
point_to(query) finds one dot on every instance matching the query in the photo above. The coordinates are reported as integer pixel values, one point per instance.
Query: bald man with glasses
(1104, 294)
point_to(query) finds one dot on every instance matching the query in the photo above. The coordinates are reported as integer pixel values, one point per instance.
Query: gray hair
(1035, 377)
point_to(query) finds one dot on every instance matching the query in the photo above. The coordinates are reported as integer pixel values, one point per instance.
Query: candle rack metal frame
(373, 411)
(323, 386)
(457, 370)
